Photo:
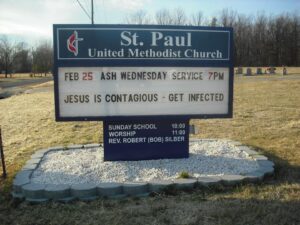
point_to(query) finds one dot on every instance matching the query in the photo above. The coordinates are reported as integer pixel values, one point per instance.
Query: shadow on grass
(181, 209)
(284, 171)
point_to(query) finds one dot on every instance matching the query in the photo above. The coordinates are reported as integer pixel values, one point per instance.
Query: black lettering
(77, 99)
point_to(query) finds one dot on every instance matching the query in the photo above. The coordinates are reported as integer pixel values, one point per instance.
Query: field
(266, 116)
(24, 75)
(19, 83)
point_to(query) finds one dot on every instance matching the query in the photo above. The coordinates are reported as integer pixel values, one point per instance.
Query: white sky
(31, 20)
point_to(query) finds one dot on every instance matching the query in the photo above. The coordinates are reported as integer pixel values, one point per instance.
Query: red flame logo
(72, 43)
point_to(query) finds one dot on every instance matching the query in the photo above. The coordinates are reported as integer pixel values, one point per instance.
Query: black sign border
(137, 63)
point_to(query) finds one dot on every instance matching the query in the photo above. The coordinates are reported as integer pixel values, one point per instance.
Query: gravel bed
(78, 166)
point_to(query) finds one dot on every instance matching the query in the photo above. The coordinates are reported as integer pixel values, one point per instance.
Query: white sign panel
(142, 91)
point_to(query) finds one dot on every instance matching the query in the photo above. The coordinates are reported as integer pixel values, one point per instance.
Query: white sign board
(141, 91)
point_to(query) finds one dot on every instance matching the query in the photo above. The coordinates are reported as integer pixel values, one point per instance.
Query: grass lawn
(266, 116)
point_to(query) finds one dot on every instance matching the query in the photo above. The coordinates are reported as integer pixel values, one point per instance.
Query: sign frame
(228, 63)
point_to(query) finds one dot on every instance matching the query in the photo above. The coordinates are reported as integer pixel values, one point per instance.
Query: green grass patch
(184, 175)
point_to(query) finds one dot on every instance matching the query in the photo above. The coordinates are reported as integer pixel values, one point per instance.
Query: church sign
(144, 82)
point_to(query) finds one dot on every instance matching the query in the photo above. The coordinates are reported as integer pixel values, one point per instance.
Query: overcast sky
(31, 20)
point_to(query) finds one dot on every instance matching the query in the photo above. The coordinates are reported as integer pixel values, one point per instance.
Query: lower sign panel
(142, 91)
(147, 139)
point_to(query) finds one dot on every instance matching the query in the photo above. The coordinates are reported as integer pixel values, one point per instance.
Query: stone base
(23, 188)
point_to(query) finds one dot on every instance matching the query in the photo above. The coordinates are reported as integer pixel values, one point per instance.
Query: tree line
(259, 40)
(19, 57)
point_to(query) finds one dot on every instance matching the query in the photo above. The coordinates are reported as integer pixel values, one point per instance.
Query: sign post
(2, 156)
(144, 82)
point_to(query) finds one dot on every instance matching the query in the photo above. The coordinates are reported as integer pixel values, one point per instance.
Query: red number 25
(87, 75)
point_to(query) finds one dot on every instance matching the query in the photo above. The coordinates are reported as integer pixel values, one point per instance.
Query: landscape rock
(92, 145)
(84, 191)
(29, 166)
(159, 185)
(230, 180)
(19, 182)
(185, 183)
(57, 192)
(109, 189)
(33, 191)
(75, 146)
(208, 181)
(135, 188)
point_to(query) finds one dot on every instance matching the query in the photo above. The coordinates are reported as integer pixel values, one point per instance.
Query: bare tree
(176, 17)
(23, 60)
(213, 22)
(296, 39)
(179, 17)
(197, 19)
(163, 17)
(42, 58)
(241, 40)
(139, 17)
(7, 55)
(228, 18)
(260, 39)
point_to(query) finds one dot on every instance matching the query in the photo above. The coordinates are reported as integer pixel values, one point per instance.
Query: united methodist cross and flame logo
(72, 43)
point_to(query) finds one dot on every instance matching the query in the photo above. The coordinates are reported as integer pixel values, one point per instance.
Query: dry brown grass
(28, 124)
(46, 84)
(266, 115)
(15, 75)
(23, 75)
